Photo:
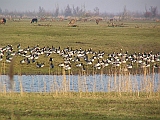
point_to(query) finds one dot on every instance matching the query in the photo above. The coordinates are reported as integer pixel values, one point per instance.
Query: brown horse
(97, 20)
(72, 21)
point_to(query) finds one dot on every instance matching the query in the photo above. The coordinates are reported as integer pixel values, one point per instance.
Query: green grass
(86, 35)
(70, 106)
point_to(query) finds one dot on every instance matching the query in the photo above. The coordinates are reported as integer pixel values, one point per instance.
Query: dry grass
(11, 75)
(118, 82)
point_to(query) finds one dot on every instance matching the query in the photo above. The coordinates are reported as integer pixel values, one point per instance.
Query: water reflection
(85, 83)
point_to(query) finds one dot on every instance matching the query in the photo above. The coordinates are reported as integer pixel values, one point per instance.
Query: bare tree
(154, 11)
(74, 11)
(96, 11)
(68, 11)
(124, 14)
(0, 10)
(41, 11)
(56, 11)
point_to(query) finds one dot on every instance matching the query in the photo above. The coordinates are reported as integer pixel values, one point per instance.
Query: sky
(109, 6)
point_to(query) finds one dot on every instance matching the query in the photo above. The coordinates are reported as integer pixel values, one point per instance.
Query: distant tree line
(77, 11)
(151, 13)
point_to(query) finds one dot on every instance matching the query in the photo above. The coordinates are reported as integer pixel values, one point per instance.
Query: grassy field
(71, 106)
(86, 35)
(75, 106)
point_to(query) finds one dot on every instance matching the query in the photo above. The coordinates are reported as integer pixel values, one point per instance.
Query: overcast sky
(110, 6)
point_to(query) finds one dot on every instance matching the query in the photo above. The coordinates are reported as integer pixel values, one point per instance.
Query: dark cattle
(3, 21)
(34, 20)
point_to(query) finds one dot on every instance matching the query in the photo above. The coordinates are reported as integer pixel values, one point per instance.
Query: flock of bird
(81, 58)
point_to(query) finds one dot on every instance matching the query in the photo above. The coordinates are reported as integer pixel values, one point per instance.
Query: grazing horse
(34, 20)
(3, 21)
